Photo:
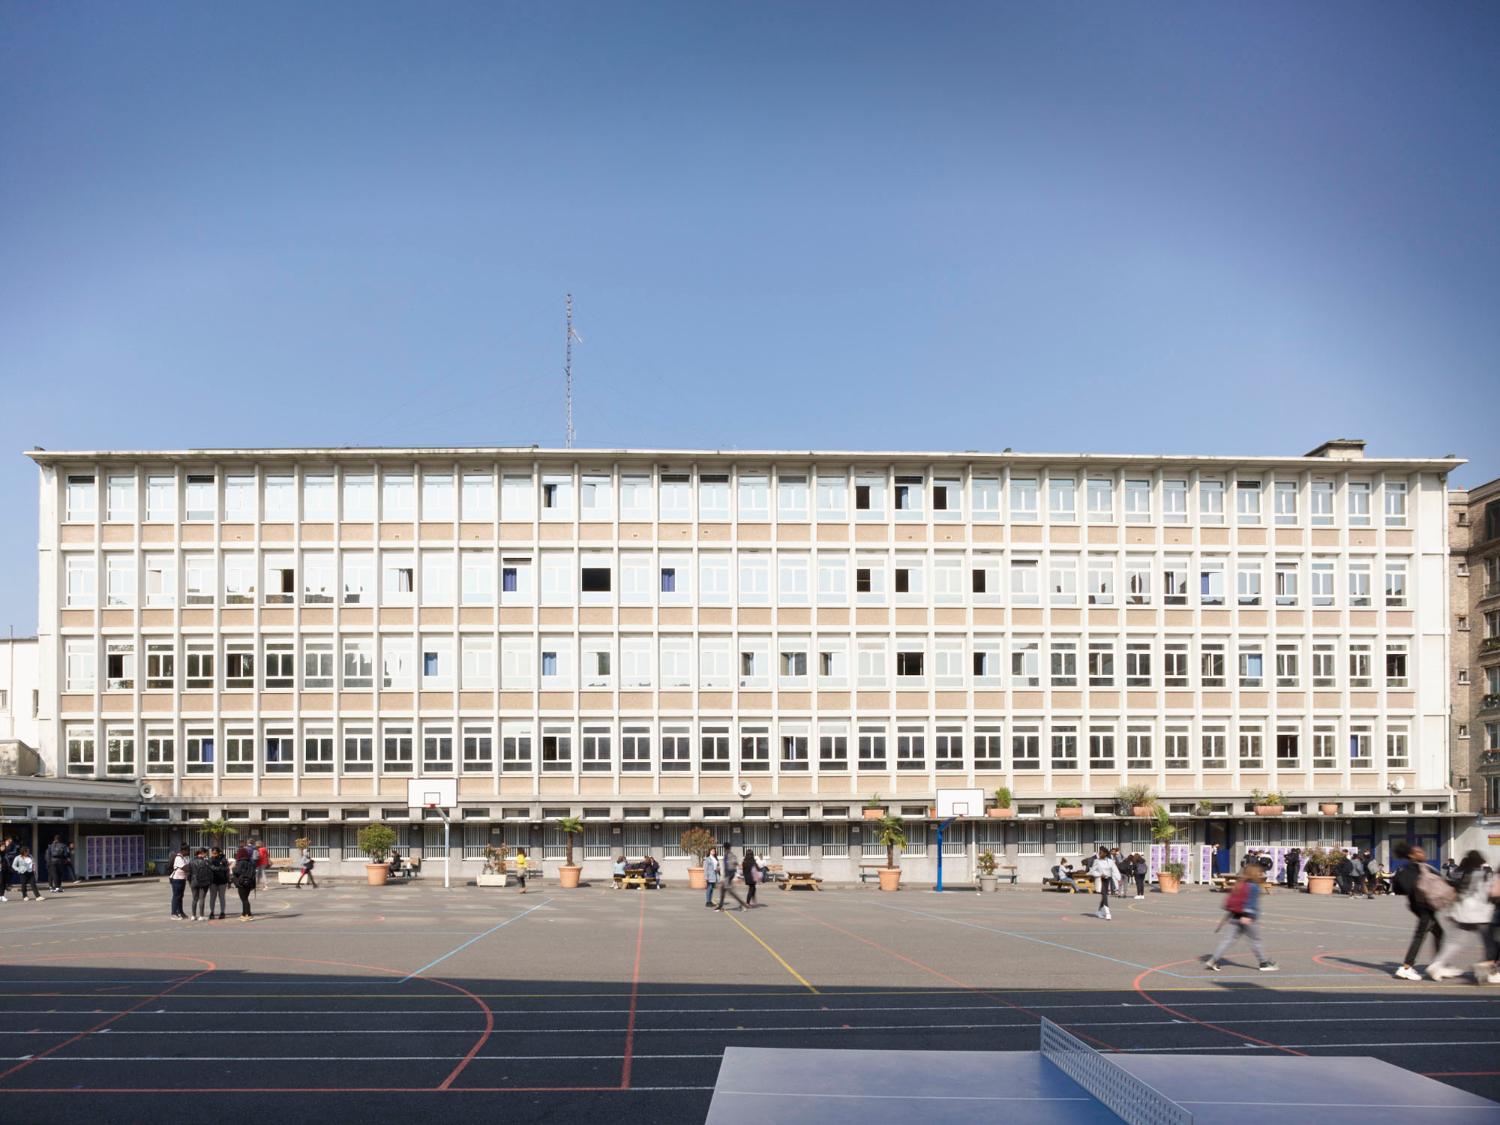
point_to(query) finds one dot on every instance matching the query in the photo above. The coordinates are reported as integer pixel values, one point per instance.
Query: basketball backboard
(959, 802)
(432, 792)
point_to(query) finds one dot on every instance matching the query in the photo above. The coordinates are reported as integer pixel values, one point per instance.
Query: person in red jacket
(262, 862)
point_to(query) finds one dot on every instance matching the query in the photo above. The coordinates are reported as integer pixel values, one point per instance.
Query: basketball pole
(942, 824)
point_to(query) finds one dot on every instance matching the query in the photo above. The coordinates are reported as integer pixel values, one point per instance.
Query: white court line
(472, 940)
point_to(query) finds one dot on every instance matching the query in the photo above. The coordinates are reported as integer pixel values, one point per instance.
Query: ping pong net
(1121, 1092)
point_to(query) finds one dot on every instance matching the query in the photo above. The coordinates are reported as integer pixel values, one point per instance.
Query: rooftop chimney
(1341, 449)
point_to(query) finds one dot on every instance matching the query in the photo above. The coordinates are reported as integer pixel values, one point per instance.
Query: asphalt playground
(406, 1002)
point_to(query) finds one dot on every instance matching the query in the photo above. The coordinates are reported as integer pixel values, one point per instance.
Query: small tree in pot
(696, 842)
(568, 874)
(987, 864)
(1169, 878)
(494, 873)
(873, 809)
(1267, 804)
(1002, 807)
(891, 834)
(376, 841)
(1321, 864)
(1163, 831)
(1069, 807)
(1135, 800)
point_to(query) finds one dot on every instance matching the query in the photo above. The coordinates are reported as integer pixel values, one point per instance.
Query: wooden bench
(1008, 871)
(1070, 885)
(801, 879)
(1223, 882)
(868, 871)
(411, 868)
(636, 881)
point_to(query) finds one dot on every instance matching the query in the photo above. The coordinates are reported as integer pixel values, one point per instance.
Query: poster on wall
(1156, 855)
(1180, 853)
(1205, 862)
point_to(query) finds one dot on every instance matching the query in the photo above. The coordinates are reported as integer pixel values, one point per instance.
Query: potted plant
(1328, 808)
(1069, 807)
(1267, 804)
(987, 864)
(892, 834)
(494, 873)
(1320, 865)
(1002, 807)
(376, 841)
(217, 828)
(1163, 831)
(569, 872)
(1137, 798)
(1203, 808)
(1169, 878)
(696, 842)
(874, 810)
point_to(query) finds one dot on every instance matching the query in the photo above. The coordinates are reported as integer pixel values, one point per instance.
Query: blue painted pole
(941, 825)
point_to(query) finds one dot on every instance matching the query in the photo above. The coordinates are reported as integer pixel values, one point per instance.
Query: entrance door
(1220, 833)
(44, 841)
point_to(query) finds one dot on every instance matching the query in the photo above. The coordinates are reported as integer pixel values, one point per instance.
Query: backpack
(1433, 891)
(1239, 898)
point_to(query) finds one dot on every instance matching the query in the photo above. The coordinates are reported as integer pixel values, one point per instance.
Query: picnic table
(1071, 884)
(636, 880)
(801, 879)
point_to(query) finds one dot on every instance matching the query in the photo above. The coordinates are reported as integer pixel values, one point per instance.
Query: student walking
(522, 863)
(754, 873)
(25, 869)
(1419, 883)
(243, 877)
(1107, 872)
(1469, 915)
(726, 881)
(57, 863)
(307, 869)
(1243, 907)
(710, 874)
(178, 879)
(218, 867)
(200, 877)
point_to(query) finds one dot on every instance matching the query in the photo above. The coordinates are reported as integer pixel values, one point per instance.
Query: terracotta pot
(1320, 884)
(1329, 809)
(1069, 812)
(890, 878)
(874, 814)
(1269, 810)
(1142, 810)
(1168, 884)
(696, 881)
(1001, 814)
(567, 877)
(377, 874)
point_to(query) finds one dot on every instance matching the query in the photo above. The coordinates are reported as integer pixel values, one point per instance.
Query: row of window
(471, 495)
(447, 748)
(485, 578)
(404, 663)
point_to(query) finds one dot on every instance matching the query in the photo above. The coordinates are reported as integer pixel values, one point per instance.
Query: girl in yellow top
(521, 868)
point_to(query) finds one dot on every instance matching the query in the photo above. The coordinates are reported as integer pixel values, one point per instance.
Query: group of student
(18, 868)
(647, 868)
(1113, 872)
(721, 874)
(1456, 907)
(209, 873)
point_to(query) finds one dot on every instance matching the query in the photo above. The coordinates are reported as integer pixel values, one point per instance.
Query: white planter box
(502, 880)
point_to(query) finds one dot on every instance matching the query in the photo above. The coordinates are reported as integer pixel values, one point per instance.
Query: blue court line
(471, 941)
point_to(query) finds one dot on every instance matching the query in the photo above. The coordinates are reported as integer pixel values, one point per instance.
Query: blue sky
(1110, 227)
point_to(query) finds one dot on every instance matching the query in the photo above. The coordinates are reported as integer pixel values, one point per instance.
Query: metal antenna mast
(568, 368)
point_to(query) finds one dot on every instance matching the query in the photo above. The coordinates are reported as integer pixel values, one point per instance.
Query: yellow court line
(780, 960)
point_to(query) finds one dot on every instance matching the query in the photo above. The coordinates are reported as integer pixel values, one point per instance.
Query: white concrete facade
(649, 638)
(20, 691)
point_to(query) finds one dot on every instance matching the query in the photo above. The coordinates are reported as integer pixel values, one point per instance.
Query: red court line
(101, 1025)
(635, 988)
(489, 1027)
(952, 980)
(1136, 984)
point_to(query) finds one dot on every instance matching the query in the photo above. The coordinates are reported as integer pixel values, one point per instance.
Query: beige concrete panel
(516, 532)
(872, 701)
(236, 702)
(676, 615)
(1068, 618)
(112, 533)
(356, 532)
(755, 533)
(1325, 537)
(828, 617)
(1363, 536)
(1254, 700)
(952, 701)
(950, 616)
(989, 700)
(1364, 618)
(1326, 619)
(1179, 700)
(555, 532)
(755, 615)
(1400, 701)
(1027, 700)
(794, 618)
(229, 619)
(1137, 536)
(1217, 618)
(715, 615)
(117, 618)
(1213, 536)
(675, 701)
(872, 533)
(910, 787)
(472, 787)
(1104, 700)
(796, 786)
(276, 533)
(1288, 537)
(1327, 700)
(1063, 534)
(1104, 533)
(152, 533)
(197, 788)
(474, 615)
(1028, 785)
(674, 532)
(236, 533)
(908, 616)
(714, 786)
(279, 703)
(1252, 537)
(678, 786)
(715, 701)
(515, 701)
(833, 533)
(436, 617)
(436, 531)
(197, 702)
(517, 615)
(1363, 700)
(317, 533)
(833, 701)
(602, 615)
(1136, 617)
(156, 702)
(596, 701)
(635, 615)
(949, 533)
(476, 533)
(75, 704)
(989, 617)
(715, 533)
(1290, 701)
(1399, 619)
(356, 616)
(596, 532)
(317, 787)
(396, 701)
(555, 700)
(1067, 701)
(317, 701)
(1217, 700)
(1026, 618)
(755, 701)
(793, 533)
(1179, 784)
(911, 533)
(236, 788)
(1289, 619)
(435, 700)
(276, 788)
(872, 615)
(1254, 619)
(1176, 537)
(198, 533)
(474, 701)
(317, 615)
(556, 615)
(634, 785)
(794, 701)
(1397, 537)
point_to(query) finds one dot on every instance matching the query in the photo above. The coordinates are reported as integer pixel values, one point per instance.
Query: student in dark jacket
(1343, 872)
(57, 863)
(1404, 882)
(218, 867)
(7, 853)
(1293, 867)
(243, 878)
(200, 877)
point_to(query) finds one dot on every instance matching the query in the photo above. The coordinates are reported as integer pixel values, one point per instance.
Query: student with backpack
(243, 878)
(1426, 893)
(200, 877)
(218, 866)
(1242, 916)
(307, 869)
(754, 873)
(178, 879)
(57, 863)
